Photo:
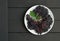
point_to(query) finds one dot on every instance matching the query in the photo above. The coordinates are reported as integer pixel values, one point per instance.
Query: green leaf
(32, 13)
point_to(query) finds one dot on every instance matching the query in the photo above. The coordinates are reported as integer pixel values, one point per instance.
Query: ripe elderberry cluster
(44, 22)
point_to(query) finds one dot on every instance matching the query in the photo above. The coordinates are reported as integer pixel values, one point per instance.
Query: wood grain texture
(28, 3)
(53, 3)
(24, 3)
(16, 28)
(30, 37)
(15, 12)
(3, 20)
(16, 22)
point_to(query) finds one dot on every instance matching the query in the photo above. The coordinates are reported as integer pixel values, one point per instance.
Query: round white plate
(31, 9)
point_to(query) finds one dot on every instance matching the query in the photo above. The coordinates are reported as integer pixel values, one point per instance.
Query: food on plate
(39, 20)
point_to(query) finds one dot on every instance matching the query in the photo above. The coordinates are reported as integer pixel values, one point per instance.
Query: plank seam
(28, 32)
(29, 7)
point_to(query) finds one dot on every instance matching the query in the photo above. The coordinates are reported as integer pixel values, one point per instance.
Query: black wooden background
(3, 20)
(16, 28)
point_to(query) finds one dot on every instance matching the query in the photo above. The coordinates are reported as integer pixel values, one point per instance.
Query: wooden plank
(16, 22)
(30, 37)
(19, 27)
(53, 3)
(15, 12)
(28, 3)
(15, 19)
(3, 20)
(24, 3)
